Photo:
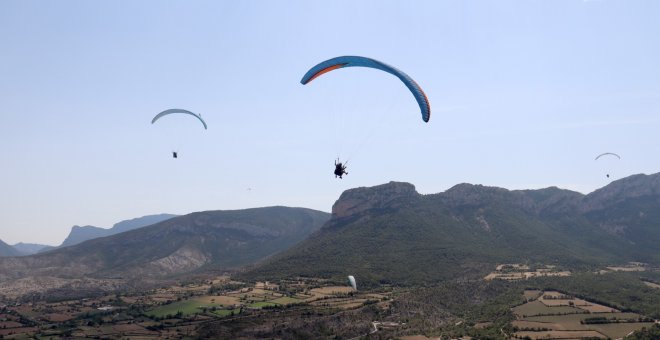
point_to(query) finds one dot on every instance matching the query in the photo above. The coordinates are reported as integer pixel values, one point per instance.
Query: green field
(286, 300)
(186, 307)
(263, 304)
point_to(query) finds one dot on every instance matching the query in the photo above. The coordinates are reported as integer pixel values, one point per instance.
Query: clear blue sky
(524, 94)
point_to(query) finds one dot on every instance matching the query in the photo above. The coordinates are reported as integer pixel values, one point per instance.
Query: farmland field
(596, 308)
(619, 330)
(186, 307)
(531, 294)
(20, 330)
(331, 290)
(522, 324)
(538, 308)
(262, 304)
(223, 300)
(561, 335)
(572, 321)
(286, 300)
(563, 302)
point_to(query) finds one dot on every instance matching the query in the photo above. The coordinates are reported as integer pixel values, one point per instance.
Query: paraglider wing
(608, 153)
(351, 280)
(170, 111)
(349, 61)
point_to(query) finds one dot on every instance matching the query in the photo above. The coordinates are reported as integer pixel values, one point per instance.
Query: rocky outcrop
(358, 200)
(474, 194)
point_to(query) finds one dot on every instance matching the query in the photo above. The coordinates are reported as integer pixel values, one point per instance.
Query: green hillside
(392, 234)
(219, 240)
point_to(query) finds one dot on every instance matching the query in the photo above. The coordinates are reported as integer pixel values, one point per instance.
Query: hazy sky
(524, 94)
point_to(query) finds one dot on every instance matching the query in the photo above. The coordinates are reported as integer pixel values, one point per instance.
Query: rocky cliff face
(358, 200)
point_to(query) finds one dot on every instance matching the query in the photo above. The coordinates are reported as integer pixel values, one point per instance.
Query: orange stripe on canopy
(326, 70)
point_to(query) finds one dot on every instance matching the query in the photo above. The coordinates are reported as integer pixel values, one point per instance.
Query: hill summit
(391, 234)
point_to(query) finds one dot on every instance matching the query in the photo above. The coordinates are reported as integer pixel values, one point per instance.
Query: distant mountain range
(392, 234)
(387, 234)
(31, 248)
(7, 250)
(218, 240)
(80, 234)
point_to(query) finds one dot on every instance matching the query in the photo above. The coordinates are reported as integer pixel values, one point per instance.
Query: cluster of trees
(646, 333)
(604, 320)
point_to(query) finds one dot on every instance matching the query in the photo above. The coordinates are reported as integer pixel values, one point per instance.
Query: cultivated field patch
(538, 308)
(286, 300)
(331, 290)
(213, 300)
(596, 308)
(619, 330)
(572, 321)
(555, 315)
(531, 294)
(186, 307)
(526, 325)
(561, 335)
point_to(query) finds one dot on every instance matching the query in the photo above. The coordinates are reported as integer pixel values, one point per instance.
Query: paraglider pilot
(174, 154)
(340, 169)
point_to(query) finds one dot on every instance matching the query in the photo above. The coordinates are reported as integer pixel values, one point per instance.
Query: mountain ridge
(79, 234)
(387, 230)
(213, 239)
(8, 250)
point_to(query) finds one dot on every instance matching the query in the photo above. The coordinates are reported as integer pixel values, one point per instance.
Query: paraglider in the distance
(340, 169)
(351, 281)
(170, 111)
(608, 154)
(175, 154)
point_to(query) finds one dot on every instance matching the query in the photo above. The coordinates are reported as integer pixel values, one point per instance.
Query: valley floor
(311, 307)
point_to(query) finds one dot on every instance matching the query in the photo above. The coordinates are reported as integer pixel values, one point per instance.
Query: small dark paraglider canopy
(608, 154)
(170, 111)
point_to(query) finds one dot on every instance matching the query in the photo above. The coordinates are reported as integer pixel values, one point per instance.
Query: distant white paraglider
(351, 280)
